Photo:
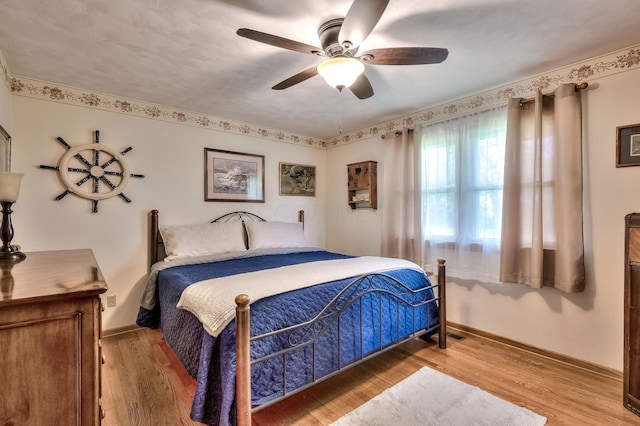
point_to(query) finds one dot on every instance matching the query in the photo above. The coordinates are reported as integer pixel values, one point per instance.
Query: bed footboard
(307, 332)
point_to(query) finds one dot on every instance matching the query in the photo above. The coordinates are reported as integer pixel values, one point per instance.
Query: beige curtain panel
(542, 232)
(400, 204)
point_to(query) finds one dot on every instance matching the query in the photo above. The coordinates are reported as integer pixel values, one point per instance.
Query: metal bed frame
(308, 333)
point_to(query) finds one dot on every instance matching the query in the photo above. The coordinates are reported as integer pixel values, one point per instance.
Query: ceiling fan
(340, 40)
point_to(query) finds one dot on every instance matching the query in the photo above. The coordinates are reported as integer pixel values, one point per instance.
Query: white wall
(587, 325)
(351, 231)
(171, 156)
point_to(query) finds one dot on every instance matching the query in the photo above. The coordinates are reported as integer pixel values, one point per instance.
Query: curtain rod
(396, 133)
(580, 86)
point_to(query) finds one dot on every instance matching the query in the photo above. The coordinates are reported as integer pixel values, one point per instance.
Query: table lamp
(9, 190)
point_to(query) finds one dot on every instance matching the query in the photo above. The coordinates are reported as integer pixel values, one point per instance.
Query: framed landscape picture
(233, 176)
(297, 179)
(628, 145)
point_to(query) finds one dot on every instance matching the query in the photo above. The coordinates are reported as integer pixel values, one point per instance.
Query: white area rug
(429, 397)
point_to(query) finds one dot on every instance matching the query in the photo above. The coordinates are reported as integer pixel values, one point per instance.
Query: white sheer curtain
(542, 239)
(461, 168)
(400, 217)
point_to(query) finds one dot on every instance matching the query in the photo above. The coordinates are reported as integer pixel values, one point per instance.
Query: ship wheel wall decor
(103, 169)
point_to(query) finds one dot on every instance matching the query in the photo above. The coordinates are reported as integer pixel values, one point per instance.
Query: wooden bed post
(301, 218)
(243, 361)
(153, 250)
(442, 293)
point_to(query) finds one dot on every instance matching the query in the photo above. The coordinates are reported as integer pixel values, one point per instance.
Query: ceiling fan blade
(298, 78)
(362, 87)
(281, 42)
(405, 56)
(362, 17)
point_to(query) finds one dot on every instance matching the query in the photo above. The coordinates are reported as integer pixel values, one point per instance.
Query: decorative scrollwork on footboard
(379, 313)
(403, 314)
(380, 283)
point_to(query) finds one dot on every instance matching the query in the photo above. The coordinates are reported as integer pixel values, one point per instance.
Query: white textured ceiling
(185, 53)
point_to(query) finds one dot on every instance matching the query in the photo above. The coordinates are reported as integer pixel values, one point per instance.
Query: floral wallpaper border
(592, 69)
(55, 92)
(612, 63)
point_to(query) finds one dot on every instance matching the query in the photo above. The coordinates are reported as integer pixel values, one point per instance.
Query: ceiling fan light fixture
(340, 72)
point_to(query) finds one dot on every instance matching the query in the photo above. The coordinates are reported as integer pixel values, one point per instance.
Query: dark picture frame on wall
(233, 176)
(628, 145)
(297, 179)
(5, 150)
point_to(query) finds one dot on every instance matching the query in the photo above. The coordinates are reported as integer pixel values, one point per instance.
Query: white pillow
(275, 235)
(202, 239)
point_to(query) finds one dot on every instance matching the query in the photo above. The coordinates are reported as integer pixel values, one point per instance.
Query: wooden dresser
(631, 394)
(50, 329)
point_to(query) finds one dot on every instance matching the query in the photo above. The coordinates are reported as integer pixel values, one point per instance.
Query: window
(462, 172)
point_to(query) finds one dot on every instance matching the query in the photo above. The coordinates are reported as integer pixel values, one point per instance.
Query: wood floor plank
(147, 387)
(144, 383)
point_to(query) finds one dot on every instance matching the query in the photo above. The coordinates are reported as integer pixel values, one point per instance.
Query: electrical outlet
(111, 301)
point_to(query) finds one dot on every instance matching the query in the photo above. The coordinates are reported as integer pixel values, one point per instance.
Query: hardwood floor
(144, 384)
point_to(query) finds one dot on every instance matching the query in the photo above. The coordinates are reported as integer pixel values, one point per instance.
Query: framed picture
(628, 146)
(5, 150)
(297, 179)
(233, 176)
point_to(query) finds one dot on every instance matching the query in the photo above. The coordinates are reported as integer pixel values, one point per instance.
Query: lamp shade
(340, 72)
(10, 186)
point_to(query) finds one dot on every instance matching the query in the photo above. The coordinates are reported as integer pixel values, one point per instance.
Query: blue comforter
(212, 360)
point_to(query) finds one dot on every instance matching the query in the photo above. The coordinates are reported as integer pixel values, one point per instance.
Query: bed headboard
(156, 245)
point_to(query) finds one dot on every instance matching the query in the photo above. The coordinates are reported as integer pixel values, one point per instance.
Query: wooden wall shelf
(363, 185)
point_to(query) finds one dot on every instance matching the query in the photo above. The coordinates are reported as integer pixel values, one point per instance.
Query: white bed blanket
(213, 301)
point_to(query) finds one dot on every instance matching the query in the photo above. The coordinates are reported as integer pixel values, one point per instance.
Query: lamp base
(12, 256)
